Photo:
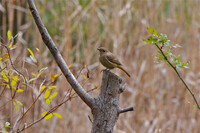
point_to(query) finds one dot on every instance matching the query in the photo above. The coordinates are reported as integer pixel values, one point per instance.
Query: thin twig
(165, 57)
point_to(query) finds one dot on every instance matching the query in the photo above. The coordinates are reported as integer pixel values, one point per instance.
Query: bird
(109, 60)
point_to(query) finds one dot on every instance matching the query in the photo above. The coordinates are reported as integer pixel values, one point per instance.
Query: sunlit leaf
(44, 113)
(9, 35)
(83, 76)
(52, 77)
(95, 86)
(10, 45)
(56, 75)
(7, 124)
(4, 76)
(46, 94)
(5, 56)
(48, 116)
(41, 71)
(48, 100)
(13, 82)
(70, 65)
(53, 95)
(33, 74)
(42, 88)
(19, 90)
(32, 79)
(57, 115)
(31, 52)
(15, 106)
(18, 102)
(52, 87)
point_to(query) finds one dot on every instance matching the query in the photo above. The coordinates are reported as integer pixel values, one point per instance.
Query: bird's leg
(105, 70)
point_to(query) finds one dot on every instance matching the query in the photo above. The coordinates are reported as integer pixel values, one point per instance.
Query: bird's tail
(120, 67)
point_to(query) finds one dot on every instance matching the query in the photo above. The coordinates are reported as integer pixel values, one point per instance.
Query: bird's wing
(112, 59)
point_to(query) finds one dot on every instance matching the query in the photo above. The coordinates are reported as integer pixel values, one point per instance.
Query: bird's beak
(98, 48)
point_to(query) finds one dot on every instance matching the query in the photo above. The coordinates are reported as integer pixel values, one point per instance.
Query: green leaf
(46, 95)
(9, 35)
(57, 115)
(149, 29)
(53, 95)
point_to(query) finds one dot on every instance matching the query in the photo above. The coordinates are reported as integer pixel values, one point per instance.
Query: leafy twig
(161, 41)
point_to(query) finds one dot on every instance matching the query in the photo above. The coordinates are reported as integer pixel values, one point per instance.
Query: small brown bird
(109, 60)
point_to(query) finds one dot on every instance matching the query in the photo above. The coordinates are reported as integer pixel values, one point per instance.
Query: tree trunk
(106, 110)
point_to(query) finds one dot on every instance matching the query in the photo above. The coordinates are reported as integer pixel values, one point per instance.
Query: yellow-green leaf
(83, 76)
(32, 79)
(41, 71)
(4, 76)
(56, 75)
(31, 52)
(48, 116)
(53, 95)
(52, 77)
(52, 87)
(70, 65)
(48, 100)
(42, 88)
(13, 82)
(57, 115)
(19, 103)
(15, 106)
(23, 85)
(44, 113)
(19, 90)
(10, 45)
(46, 94)
(95, 86)
(9, 35)
(7, 124)
(33, 74)
(5, 55)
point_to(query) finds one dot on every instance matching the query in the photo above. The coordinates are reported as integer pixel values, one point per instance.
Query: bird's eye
(103, 50)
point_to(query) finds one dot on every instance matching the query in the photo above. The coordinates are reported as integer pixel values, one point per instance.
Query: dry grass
(161, 102)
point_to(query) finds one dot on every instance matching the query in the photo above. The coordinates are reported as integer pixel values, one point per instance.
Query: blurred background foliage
(79, 27)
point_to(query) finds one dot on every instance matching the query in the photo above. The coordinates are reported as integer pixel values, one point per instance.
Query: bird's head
(102, 50)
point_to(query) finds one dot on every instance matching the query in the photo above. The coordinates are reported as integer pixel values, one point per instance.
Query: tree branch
(58, 58)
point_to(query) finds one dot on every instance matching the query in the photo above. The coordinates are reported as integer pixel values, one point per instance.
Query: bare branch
(58, 58)
(125, 110)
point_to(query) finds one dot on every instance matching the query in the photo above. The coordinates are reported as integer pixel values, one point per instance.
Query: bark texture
(105, 110)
